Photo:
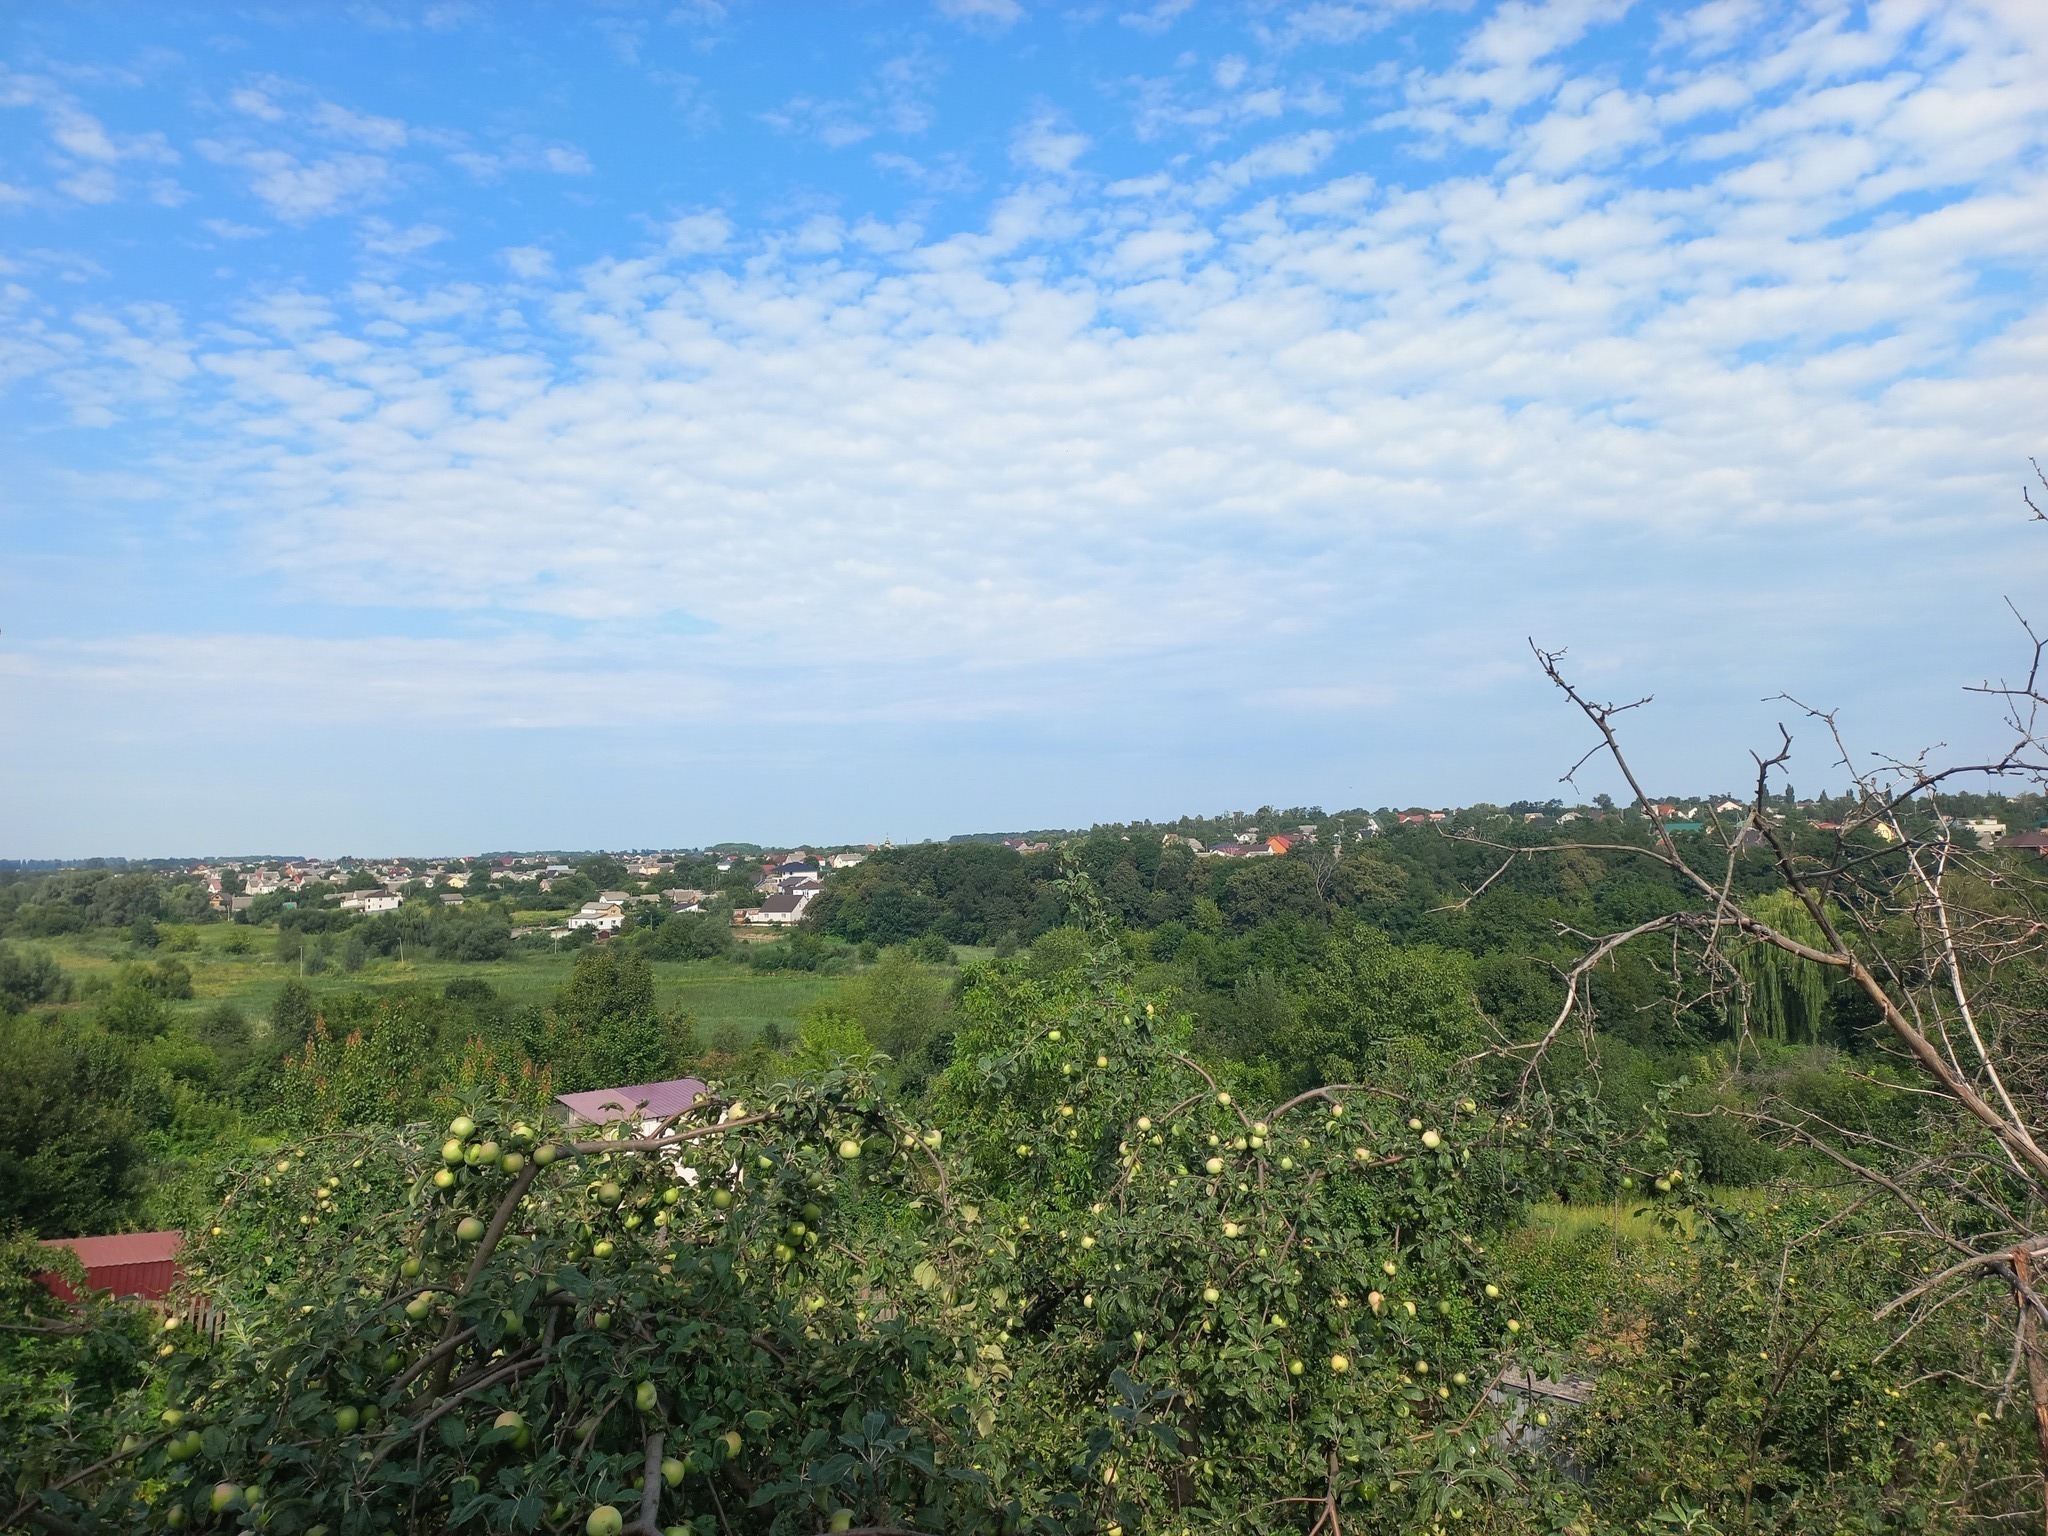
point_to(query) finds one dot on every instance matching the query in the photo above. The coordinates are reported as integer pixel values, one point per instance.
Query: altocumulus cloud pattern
(1205, 399)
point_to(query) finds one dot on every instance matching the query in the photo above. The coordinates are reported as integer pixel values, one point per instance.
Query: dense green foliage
(965, 1284)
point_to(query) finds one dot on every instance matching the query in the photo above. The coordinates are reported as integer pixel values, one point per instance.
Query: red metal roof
(126, 1263)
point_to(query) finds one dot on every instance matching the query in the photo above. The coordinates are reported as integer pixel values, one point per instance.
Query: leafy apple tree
(1083, 1290)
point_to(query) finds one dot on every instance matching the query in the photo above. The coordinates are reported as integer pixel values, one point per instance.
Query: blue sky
(460, 426)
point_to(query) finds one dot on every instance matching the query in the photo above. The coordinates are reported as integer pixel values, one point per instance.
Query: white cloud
(382, 238)
(1048, 144)
(991, 13)
(696, 233)
(382, 133)
(528, 261)
(1296, 155)
(896, 99)
(1157, 17)
(296, 189)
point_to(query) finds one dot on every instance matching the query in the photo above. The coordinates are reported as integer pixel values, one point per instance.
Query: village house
(783, 910)
(599, 917)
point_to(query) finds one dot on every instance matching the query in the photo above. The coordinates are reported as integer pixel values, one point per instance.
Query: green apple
(225, 1497)
(1223, 1099)
(672, 1471)
(1432, 1140)
(545, 1153)
(645, 1398)
(462, 1126)
(1492, 1291)
(1211, 1295)
(842, 1520)
(1295, 1367)
(418, 1308)
(346, 1419)
(469, 1229)
(512, 1162)
(605, 1520)
(1144, 1122)
(1340, 1364)
(849, 1149)
(721, 1199)
(172, 1417)
(602, 1248)
(410, 1268)
(444, 1178)
(513, 1420)
(1214, 1166)
(731, 1441)
(607, 1192)
(453, 1151)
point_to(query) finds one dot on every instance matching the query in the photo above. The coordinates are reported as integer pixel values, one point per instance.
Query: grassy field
(716, 991)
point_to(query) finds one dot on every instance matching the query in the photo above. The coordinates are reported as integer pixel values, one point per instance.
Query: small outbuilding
(143, 1264)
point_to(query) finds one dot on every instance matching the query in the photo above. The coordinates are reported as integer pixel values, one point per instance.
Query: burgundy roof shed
(141, 1264)
(650, 1101)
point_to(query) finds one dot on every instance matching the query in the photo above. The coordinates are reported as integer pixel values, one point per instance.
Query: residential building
(1984, 829)
(598, 916)
(371, 901)
(782, 910)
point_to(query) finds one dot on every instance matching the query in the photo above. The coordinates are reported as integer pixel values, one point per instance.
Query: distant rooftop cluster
(788, 878)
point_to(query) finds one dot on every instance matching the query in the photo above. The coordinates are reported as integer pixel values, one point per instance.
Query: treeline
(1296, 967)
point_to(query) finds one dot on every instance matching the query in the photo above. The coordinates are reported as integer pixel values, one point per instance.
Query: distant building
(1984, 829)
(650, 1103)
(684, 899)
(781, 910)
(847, 860)
(2031, 842)
(371, 901)
(599, 917)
